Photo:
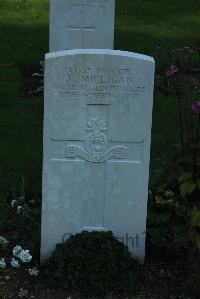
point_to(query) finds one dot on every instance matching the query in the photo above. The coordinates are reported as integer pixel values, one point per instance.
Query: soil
(158, 281)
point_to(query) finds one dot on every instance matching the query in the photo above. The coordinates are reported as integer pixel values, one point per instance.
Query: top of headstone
(81, 24)
(98, 52)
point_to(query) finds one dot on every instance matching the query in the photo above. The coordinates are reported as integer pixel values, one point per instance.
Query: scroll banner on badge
(74, 151)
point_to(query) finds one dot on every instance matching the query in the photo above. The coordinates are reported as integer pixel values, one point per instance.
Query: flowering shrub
(24, 219)
(172, 70)
(3, 241)
(2, 263)
(179, 77)
(24, 256)
(15, 263)
(17, 250)
(196, 107)
(174, 217)
(20, 255)
(34, 271)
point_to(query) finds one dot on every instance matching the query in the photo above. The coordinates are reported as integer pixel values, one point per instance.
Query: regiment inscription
(96, 145)
(97, 82)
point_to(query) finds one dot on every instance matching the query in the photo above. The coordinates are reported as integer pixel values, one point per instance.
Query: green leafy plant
(92, 264)
(188, 184)
(173, 216)
(168, 224)
(177, 78)
(40, 75)
(15, 257)
(22, 218)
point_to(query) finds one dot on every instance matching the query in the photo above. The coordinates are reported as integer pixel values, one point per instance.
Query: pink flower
(172, 70)
(196, 107)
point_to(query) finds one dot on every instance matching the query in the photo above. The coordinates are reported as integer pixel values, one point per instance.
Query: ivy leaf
(157, 219)
(198, 184)
(198, 242)
(195, 218)
(185, 176)
(187, 188)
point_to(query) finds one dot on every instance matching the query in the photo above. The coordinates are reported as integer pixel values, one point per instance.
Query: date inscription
(88, 2)
(97, 83)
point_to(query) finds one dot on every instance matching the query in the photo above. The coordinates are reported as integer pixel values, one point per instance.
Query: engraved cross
(82, 28)
(96, 151)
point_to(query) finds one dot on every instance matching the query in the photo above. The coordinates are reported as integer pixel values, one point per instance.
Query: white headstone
(97, 132)
(81, 24)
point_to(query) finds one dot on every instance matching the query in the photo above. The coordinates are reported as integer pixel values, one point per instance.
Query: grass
(24, 32)
(24, 40)
(21, 135)
(140, 26)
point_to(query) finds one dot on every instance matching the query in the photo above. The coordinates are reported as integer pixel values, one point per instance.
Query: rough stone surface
(81, 24)
(97, 133)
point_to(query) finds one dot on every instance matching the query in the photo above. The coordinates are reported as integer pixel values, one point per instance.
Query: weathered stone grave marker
(78, 24)
(97, 127)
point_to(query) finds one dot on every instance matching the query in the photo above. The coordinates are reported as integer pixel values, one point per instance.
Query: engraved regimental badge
(96, 148)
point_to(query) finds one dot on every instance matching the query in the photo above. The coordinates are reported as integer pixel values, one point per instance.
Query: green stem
(196, 145)
(181, 123)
